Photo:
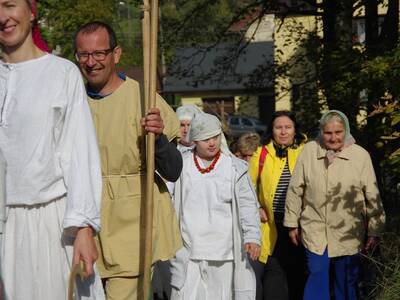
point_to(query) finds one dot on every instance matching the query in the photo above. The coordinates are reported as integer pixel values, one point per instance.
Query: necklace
(210, 167)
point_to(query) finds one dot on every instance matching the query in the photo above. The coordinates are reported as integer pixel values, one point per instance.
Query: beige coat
(119, 134)
(332, 204)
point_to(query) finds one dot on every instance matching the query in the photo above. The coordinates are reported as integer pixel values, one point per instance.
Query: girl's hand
(253, 250)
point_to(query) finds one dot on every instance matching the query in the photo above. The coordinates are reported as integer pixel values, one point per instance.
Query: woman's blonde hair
(248, 142)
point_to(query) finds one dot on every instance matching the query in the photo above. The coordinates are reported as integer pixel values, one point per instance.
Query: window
(246, 122)
(359, 31)
(359, 28)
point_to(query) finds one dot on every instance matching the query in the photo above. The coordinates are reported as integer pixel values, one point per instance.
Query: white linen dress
(53, 178)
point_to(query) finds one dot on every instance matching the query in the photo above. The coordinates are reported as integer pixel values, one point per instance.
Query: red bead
(212, 165)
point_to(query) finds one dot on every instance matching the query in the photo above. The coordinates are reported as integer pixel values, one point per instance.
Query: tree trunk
(337, 56)
(371, 27)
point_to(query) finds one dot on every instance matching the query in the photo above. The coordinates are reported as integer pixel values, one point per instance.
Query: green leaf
(395, 120)
(395, 154)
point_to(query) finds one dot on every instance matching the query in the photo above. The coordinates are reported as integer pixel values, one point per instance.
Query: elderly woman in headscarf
(218, 213)
(333, 207)
(185, 115)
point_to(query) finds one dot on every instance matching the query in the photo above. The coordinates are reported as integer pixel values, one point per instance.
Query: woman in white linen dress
(53, 179)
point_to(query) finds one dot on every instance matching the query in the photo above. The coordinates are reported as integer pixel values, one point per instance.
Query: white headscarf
(187, 112)
(348, 139)
(205, 126)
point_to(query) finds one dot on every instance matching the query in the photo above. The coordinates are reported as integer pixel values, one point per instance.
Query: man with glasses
(117, 112)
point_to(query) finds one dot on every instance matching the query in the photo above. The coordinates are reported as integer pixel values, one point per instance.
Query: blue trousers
(345, 276)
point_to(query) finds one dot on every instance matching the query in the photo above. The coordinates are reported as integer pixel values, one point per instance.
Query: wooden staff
(150, 38)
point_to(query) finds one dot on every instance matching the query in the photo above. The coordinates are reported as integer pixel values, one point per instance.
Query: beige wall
(382, 9)
(287, 35)
(192, 100)
(288, 51)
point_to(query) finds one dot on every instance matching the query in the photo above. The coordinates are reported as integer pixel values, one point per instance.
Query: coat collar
(344, 154)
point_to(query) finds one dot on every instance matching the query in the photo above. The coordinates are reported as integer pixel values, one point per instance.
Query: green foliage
(129, 31)
(198, 22)
(383, 72)
(389, 144)
(59, 20)
(388, 284)
(62, 17)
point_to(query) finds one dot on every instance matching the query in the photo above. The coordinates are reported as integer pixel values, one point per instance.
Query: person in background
(121, 125)
(280, 269)
(332, 205)
(247, 144)
(185, 115)
(218, 213)
(233, 147)
(53, 178)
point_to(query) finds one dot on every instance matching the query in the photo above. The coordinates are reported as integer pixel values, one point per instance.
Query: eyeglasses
(98, 55)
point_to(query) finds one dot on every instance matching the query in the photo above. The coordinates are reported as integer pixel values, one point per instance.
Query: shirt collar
(97, 96)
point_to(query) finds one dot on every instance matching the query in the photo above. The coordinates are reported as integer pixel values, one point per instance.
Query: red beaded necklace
(210, 167)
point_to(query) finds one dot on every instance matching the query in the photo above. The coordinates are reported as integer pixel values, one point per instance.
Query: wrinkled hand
(294, 235)
(263, 215)
(153, 122)
(253, 249)
(372, 242)
(85, 249)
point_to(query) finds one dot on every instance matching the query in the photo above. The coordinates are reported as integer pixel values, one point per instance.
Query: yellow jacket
(270, 174)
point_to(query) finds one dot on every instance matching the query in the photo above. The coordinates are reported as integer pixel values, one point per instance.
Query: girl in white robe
(53, 178)
(218, 215)
(161, 275)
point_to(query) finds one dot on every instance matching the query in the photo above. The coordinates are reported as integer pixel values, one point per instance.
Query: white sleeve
(2, 193)
(248, 210)
(79, 158)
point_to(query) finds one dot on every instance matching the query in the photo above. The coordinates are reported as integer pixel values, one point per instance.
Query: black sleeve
(168, 159)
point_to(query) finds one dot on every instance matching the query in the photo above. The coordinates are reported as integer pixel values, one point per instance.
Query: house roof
(247, 19)
(224, 67)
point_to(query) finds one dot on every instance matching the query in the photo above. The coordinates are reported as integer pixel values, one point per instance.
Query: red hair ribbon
(36, 36)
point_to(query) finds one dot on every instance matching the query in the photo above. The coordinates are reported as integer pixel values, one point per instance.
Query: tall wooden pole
(146, 52)
(150, 38)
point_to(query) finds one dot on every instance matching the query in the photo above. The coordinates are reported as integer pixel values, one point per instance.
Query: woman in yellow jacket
(280, 270)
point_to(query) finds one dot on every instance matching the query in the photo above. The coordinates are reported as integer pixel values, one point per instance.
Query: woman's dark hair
(299, 137)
